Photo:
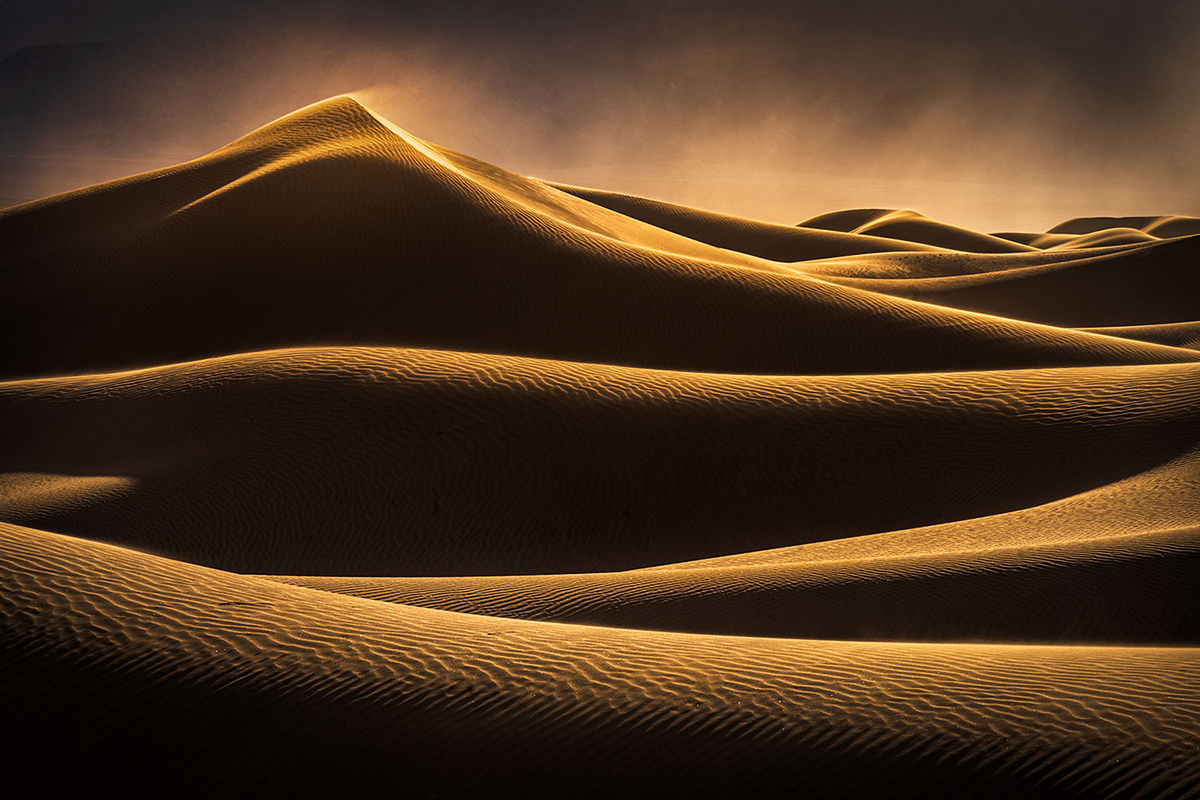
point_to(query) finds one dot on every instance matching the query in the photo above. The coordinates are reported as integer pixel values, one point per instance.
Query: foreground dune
(551, 705)
(335, 457)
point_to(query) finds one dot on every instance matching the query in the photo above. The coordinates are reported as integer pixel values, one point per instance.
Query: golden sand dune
(1172, 334)
(335, 457)
(425, 462)
(913, 227)
(1108, 238)
(1162, 227)
(783, 243)
(290, 677)
(946, 264)
(1108, 231)
(1133, 285)
(1044, 573)
(1060, 593)
(330, 227)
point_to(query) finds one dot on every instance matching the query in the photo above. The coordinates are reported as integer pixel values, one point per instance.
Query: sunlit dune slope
(331, 227)
(355, 461)
(148, 656)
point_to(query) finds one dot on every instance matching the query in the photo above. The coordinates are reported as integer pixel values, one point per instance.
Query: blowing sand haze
(335, 459)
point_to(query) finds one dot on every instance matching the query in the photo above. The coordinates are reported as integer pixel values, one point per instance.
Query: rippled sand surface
(335, 459)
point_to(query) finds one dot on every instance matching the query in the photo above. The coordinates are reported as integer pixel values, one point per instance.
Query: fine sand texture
(338, 461)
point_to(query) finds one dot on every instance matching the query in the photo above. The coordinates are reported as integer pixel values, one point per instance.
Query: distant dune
(335, 457)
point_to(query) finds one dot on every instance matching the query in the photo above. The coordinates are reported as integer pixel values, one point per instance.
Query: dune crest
(330, 227)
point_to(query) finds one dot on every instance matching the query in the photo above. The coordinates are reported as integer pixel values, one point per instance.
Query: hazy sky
(996, 115)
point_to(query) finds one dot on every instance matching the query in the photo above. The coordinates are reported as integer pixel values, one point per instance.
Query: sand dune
(1043, 573)
(1138, 285)
(1058, 593)
(1162, 227)
(337, 229)
(336, 457)
(763, 239)
(424, 462)
(912, 227)
(431, 689)
(1172, 334)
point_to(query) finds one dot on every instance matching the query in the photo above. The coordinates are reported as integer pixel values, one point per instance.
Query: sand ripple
(336, 460)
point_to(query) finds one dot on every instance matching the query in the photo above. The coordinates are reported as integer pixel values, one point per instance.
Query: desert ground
(336, 460)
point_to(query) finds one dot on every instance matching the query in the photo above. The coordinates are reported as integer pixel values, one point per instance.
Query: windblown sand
(336, 460)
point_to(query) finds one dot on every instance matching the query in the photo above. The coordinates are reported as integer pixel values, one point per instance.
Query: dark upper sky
(999, 115)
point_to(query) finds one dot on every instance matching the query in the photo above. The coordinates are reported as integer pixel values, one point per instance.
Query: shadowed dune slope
(331, 227)
(1135, 285)
(1058, 593)
(1163, 227)
(1176, 334)
(1160, 500)
(1038, 240)
(424, 462)
(1106, 238)
(945, 264)
(764, 239)
(1108, 231)
(1114, 564)
(454, 702)
(910, 226)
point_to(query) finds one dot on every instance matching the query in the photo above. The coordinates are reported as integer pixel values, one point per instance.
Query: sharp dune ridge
(336, 457)
(1178, 334)
(1058, 593)
(337, 229)
(451, 463)
(1117, 289)
(776, 712)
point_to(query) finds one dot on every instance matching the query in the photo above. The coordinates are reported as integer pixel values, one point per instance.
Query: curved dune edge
(1123, 589)
(911, 226)
(1162, 226)
(1082, 232)
(414, 462)
(1164, 498)
(504, 696)
(30, 495)
(1113, 564)
(1177, 334)
(1093, 232)
(330, 226)
(1134, 285)
(782, 243)
(961, 266)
